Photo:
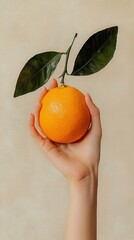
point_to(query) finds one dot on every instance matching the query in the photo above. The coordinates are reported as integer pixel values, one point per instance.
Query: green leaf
(96, 53)
(36, 72)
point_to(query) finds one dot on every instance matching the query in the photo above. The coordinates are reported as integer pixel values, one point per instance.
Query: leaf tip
(16, 93)
(115, 28)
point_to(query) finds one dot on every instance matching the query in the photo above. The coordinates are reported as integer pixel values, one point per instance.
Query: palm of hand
(74, 160)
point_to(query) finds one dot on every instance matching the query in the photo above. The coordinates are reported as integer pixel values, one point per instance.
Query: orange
(64, 116)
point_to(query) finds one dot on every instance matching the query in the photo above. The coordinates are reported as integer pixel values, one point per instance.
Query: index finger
(42, 94)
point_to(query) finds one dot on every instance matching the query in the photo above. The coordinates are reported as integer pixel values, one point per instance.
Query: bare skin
(79, 164)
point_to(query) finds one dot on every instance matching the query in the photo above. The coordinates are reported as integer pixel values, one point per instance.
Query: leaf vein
(92, 57)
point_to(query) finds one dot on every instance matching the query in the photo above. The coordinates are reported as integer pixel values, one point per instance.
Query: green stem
(66, 63)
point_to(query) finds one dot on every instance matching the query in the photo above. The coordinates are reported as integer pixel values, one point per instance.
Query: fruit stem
(66, 63)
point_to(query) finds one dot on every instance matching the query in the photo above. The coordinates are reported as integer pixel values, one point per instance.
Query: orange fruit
(64, 116)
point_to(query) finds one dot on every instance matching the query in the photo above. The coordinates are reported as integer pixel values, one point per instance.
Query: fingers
(95, 115)
(37, 109)
(53, 84)
(35, 134)
(37, 115)
(49, 147)
(38, 106)
(45, 90)
(43, 142)
(42, 94)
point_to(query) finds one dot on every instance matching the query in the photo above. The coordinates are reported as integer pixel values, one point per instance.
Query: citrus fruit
(64, 116)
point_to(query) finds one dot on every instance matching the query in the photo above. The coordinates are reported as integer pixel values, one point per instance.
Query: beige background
(34, 196)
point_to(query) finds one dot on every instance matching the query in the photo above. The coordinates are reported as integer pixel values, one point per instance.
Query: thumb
(95, 115)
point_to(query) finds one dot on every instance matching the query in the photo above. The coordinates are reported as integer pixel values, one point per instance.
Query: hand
(75, 160)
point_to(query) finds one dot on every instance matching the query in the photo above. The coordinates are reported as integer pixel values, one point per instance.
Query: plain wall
(34, 196)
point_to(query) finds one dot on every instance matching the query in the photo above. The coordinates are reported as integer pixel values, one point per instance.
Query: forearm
(82, 219)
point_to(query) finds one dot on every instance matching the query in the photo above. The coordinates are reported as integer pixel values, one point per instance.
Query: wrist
(90, 182)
